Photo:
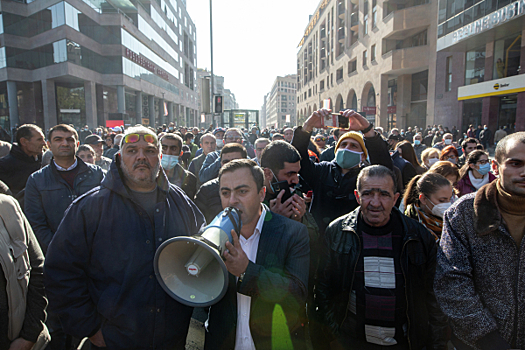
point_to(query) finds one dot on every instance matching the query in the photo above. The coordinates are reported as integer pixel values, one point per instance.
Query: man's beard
(141, 182)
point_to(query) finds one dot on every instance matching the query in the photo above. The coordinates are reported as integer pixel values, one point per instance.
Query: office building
(87, 62)
(280, 102)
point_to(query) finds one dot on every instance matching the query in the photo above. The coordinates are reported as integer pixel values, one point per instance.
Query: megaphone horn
(203, 279)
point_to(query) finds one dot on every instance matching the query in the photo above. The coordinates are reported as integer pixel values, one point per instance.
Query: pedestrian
(449, 154)
(208, 144)
(481, 260)
(171, 145)
(426, 198)
(468, 145)
(429, 157)
(268, 270)
(499, 134)
(86, 153)
(260, 145)
(100, 277)
(22, 298)
(376, 274)
(475, 173)
(407, 152)
(419, 147)
(97, 143)
(24, 158)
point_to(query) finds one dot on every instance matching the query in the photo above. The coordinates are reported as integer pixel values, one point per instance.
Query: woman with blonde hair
(429, 157)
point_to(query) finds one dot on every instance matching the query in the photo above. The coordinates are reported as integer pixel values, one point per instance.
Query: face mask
(448, 141)
(484, 169)
(441, 132)
(439, 209)
(171, 128)
(452, 160)
(485, 128)
(220, 143)
(347, 159)
(431, 161)
(417, 142)
(169, 162)
(271, 134)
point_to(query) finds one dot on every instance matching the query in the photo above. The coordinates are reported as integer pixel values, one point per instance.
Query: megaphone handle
(210, 243)
(236, 226)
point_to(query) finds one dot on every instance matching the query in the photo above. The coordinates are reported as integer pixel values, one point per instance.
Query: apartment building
(280, 105)
(375, 56)
(86, 62)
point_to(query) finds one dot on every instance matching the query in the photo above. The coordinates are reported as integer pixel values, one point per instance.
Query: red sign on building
(369, 110)
(392, 109)
(147, 64)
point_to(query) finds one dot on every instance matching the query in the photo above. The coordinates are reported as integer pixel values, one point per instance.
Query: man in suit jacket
(268, 267)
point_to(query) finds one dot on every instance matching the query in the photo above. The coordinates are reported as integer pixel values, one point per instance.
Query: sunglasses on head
(132, 138)
(320, 139)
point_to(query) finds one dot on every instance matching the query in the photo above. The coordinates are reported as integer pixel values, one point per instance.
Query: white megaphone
(191, 269)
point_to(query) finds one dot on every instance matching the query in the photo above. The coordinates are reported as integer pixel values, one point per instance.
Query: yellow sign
(145, 121)
(496, 86)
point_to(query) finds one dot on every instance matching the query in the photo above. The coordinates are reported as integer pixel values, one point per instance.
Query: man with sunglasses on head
(212, 164)
(100, 277)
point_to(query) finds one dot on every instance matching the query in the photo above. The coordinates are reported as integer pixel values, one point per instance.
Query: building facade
(230, 102)
(280, 105)
(87, 62)
(481, 64)
(375, 56)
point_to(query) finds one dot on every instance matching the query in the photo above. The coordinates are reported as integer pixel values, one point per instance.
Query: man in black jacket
(24, 159)
(333, 183)
(375, 286)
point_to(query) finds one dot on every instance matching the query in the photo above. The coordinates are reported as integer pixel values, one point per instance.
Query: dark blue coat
(99, 267)
(48, 195)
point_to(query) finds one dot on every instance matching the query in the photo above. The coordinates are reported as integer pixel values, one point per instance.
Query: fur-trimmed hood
(487, 217)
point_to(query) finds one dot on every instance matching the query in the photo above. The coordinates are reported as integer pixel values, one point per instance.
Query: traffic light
(218, 104)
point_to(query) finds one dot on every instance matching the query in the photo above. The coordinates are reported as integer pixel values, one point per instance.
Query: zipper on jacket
(406, 285)
(352, 283)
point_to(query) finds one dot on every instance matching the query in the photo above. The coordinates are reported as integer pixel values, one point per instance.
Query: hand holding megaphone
(235, 258)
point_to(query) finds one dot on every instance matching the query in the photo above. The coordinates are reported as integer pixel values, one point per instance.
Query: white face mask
(448, 141)
(169, 162)
(220, 143)
(439, 209)
(431, 161)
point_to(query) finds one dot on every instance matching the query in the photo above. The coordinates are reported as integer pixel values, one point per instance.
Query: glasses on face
(132, 138)
(483, 161)
(320, 139)
(451, 157)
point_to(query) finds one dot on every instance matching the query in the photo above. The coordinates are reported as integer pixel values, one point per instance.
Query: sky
(253, 42)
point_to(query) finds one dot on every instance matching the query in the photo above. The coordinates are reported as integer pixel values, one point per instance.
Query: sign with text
(391, 109)
(369, 110)
(146, 64)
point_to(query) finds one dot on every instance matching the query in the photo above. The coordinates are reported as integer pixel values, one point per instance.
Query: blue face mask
(484, 169)
(417, 142)
(169, 162)
(347, 159)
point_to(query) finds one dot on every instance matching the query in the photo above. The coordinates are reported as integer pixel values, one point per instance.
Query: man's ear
(357, 197)
(267, 175)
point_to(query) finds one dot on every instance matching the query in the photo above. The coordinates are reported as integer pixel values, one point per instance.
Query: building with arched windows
(374, 56)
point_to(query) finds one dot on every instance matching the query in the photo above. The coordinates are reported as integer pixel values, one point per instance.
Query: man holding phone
(333, 183)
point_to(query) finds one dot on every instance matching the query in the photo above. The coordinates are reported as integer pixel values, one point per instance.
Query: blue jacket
(48, 195)
(99, 270)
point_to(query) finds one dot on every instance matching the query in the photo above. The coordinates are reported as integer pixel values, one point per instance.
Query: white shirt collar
(260, 223)
(59, 168)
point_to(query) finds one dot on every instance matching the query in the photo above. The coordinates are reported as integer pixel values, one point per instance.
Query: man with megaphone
(268, 270)
(99, 272)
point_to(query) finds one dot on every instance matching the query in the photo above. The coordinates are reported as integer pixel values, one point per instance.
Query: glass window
(442, 14)
(364, 57)
(373, 53)
(419, 86)
(475, 66)
(448, 78)
(507, 55)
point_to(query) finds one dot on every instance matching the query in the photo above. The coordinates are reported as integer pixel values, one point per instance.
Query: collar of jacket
(487, 217)
(350, 223)
(82, 167)
(114, 180)
(18, 153)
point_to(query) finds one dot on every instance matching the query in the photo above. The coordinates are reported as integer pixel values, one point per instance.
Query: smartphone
(336, 120)
(282, 185)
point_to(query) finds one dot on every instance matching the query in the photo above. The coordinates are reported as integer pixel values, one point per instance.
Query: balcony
(341, 34)
(354, 22)
(401, 24)
(406, 61)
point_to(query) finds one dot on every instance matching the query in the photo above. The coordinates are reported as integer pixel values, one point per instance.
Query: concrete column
(382, 111)
(91, 104)
(138, 107)
(162, 118)
(404, 91)
(151, 105)
(49, 103)
(489, 114)
(13, 103)
(121, 99)
(489, 61)
(170, 112)
(520, 111)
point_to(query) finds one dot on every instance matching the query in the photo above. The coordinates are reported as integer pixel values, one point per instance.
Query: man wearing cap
(219, 136)
(100, 276)
(208, 144)
(333, 183)
(97, 143)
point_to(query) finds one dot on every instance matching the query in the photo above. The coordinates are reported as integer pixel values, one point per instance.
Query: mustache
(141, 162)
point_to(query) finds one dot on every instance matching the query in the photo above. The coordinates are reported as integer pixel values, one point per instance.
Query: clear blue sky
(253, 42)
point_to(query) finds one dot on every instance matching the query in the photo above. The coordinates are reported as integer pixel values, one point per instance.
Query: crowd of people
(357, 238)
